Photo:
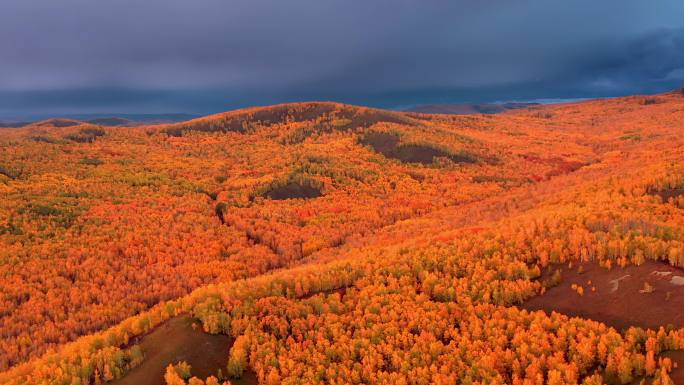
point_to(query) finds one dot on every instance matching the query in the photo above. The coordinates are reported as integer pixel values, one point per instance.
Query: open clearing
(176, 340)
(648, 296)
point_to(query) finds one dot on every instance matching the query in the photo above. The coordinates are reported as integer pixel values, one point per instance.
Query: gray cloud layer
(208, 55)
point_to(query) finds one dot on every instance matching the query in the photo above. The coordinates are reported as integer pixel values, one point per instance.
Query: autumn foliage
(330, 260)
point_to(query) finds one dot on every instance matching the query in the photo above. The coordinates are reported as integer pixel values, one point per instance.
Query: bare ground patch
(647, 296)
(176, 340)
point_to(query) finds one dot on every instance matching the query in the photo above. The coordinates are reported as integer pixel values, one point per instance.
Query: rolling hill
(321, 242)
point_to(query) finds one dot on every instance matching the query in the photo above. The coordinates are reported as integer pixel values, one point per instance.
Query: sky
(203, 56)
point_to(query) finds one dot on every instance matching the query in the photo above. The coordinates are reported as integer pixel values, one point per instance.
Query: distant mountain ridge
(469, 108)
(105, 119)
(13, 124)
(134, 118)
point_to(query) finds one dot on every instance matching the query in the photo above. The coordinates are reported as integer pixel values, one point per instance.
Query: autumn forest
(325, 243)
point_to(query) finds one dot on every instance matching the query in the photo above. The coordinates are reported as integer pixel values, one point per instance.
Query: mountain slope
(395, 271)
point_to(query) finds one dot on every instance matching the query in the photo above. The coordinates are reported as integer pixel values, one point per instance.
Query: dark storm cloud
(207, 55)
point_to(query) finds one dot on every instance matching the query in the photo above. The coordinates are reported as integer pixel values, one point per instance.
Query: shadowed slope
(326, 116)
(60, 123)
(389, 145)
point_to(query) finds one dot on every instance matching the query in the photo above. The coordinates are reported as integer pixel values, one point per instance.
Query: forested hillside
(329, 243)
